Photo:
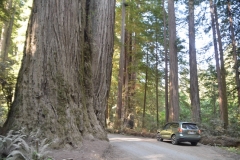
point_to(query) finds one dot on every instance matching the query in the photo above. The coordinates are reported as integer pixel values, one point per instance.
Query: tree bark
(121, 71)
(166, 64)
(145, 92)
(157, 85)
(102, 29)
(234, 50)
(132, 81)
(129, 78)
(56, 89)
(126, 79)
(219, 79)
(224, 113)
(194, 90)
(173, 61)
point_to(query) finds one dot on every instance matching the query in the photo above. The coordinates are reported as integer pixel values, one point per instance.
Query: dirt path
(133, 148)
(122, 147)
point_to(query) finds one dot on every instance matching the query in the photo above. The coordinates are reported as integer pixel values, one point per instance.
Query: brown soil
(90, 150)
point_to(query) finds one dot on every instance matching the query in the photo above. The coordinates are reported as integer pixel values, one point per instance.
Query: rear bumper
(182, 138)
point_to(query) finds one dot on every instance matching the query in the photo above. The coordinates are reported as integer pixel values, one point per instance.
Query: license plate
(191, 132)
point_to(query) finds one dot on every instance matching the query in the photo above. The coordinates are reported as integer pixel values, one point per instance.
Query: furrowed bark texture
(56, 89)
(102, 26)
(173, 62)
(194, 90)
(224, 113)
(219, 78)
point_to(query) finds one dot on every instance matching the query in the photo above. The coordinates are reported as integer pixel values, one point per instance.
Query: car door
(165, 131)
(171, 130)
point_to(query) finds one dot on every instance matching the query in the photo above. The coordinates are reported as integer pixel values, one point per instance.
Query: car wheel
(158, 137)
(161, 139)
(174, 140)
(194, 143)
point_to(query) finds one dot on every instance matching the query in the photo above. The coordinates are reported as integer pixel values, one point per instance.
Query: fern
(17, 155)
(18, 146)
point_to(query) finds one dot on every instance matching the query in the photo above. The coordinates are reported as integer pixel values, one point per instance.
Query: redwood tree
(166, 64)
(222, 100)
(234, 51)
(173, 62)
(64, 79)
(224, 107)
(194, 91)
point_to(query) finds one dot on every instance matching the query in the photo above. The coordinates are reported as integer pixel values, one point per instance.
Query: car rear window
(175, 125)
(189, 126)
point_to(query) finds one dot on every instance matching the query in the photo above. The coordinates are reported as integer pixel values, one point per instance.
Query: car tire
(174, 140)
(194, 143)
(158, 137)
(161, 139)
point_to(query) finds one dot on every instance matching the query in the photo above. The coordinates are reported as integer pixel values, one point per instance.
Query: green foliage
(18, 146)
(232, 149)
(4, 13)
(9, 66)
(213, 127)
(7, 85)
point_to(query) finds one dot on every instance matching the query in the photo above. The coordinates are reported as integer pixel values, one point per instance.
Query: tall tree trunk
(157, 81)
(132, 85)
(194, 90)
(224, 113)
(129, 78)
(55, 90)
(121, 71)
(145, 93)
(219, 79)
(173, 60)
(166, 63)
(157, 78)
(126, 74)
(234, 52)
(102, 46)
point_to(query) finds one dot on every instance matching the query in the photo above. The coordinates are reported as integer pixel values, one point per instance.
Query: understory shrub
(18, 146)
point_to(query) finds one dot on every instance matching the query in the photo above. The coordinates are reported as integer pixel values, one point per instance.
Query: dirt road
(136, 148)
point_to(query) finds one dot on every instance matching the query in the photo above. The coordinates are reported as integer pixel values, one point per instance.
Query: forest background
(146, 101)
(146, 98)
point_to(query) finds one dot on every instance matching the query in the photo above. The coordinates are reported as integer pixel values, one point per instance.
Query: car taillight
(180, 130)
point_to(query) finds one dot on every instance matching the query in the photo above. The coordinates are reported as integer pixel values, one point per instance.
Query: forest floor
(91, 150)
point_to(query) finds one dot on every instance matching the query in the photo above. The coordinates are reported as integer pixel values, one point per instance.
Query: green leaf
(17, 155)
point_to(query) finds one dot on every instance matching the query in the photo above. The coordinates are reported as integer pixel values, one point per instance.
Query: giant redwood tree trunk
(194, 90)
(166, 64)
(219, 77)
(64, 79)
(173, 62)
(234, 51)
(224, 110)
(102, 46)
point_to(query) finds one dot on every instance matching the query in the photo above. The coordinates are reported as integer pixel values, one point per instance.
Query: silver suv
(180, 132)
